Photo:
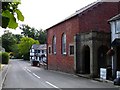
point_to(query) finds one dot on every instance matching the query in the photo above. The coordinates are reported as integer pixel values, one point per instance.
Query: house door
(86, 59)
(102, 58)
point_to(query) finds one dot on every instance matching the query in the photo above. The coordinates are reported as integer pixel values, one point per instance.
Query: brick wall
(96, 18)
(63, 62)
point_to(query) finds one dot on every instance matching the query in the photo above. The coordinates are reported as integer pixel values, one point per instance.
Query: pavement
(96, 79)
(3, 74)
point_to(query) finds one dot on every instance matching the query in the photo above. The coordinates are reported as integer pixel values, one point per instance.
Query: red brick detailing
(95, 18)
(62, 62)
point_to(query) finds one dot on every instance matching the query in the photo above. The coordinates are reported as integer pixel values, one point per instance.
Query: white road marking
(35, 75)
(51, 84)
(28, 70)
(31, 72)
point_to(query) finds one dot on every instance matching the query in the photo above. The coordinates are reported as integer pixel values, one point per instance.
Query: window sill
(64, 54)
(54, 53)
(72, 55)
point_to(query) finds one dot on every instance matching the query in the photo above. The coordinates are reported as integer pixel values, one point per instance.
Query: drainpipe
(47, 49)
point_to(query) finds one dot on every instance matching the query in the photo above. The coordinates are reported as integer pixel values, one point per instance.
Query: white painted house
(38, 53)
(115, 44)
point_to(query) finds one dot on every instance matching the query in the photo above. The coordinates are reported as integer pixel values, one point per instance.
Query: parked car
(34, 62)
(117, 81)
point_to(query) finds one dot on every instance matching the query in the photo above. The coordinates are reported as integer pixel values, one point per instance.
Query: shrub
(5, 57)
(26, 56)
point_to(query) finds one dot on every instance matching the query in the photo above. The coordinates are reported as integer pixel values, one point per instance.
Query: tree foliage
(28, 31)
(8, 40)
(11, 14)
(25, 45)
(42, 37)
(31, 32)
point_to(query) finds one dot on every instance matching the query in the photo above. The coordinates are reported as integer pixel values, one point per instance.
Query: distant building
(79, 43)
(115, 43)
(38, 53)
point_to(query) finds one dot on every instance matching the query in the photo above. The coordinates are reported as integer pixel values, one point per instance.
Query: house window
(71, 49)
(49, 49)
(54, 45)
(118, 26)
(38, 51)
(35, 51)
(42, 51)
(64, 44)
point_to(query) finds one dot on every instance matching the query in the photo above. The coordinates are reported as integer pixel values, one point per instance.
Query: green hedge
(5, 57)
(26, 56)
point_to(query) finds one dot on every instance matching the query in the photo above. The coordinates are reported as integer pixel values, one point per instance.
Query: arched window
(64, 43)
(54, 45)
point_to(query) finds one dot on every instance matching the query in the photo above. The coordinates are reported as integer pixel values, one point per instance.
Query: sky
(42, 14)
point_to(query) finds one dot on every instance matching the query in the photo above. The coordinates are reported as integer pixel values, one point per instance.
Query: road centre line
(36, 75)
(25, 68)
(31, 72)
(28, 70)
(51, 84)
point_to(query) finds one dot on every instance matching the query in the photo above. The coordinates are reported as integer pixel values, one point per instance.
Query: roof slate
(37, 46)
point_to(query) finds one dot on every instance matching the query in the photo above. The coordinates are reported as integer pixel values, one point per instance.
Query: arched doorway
(86, 59)
(102, 57)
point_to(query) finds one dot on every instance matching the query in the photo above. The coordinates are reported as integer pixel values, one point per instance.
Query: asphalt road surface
(22, 75)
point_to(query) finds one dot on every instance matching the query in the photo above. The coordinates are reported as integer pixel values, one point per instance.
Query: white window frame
(32, 50)
(117, 26)
(54, 44)
(64, 51)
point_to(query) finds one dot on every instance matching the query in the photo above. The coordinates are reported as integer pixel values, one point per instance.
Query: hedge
(5, 57)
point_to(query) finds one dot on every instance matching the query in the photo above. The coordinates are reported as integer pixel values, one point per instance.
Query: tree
(27, 31)
(18, 37)
(9, 12)
(8, 40)
(42, 37)
(15, 51)
(25, 45)
(39, 35)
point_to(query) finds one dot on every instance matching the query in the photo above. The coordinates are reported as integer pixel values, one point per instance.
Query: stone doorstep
(84, 76)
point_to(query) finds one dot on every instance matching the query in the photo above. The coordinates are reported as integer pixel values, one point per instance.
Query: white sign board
(103, 73)
(118, 74)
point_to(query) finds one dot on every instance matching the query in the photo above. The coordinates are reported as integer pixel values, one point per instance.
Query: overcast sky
(42, 14)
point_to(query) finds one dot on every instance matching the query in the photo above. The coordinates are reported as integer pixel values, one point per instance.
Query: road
(22, 75)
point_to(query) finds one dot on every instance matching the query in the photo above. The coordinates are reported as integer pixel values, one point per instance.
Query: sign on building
(118, 74)
(103, 73)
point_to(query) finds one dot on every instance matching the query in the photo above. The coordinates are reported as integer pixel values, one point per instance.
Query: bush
(5, 57)
(26, 56)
